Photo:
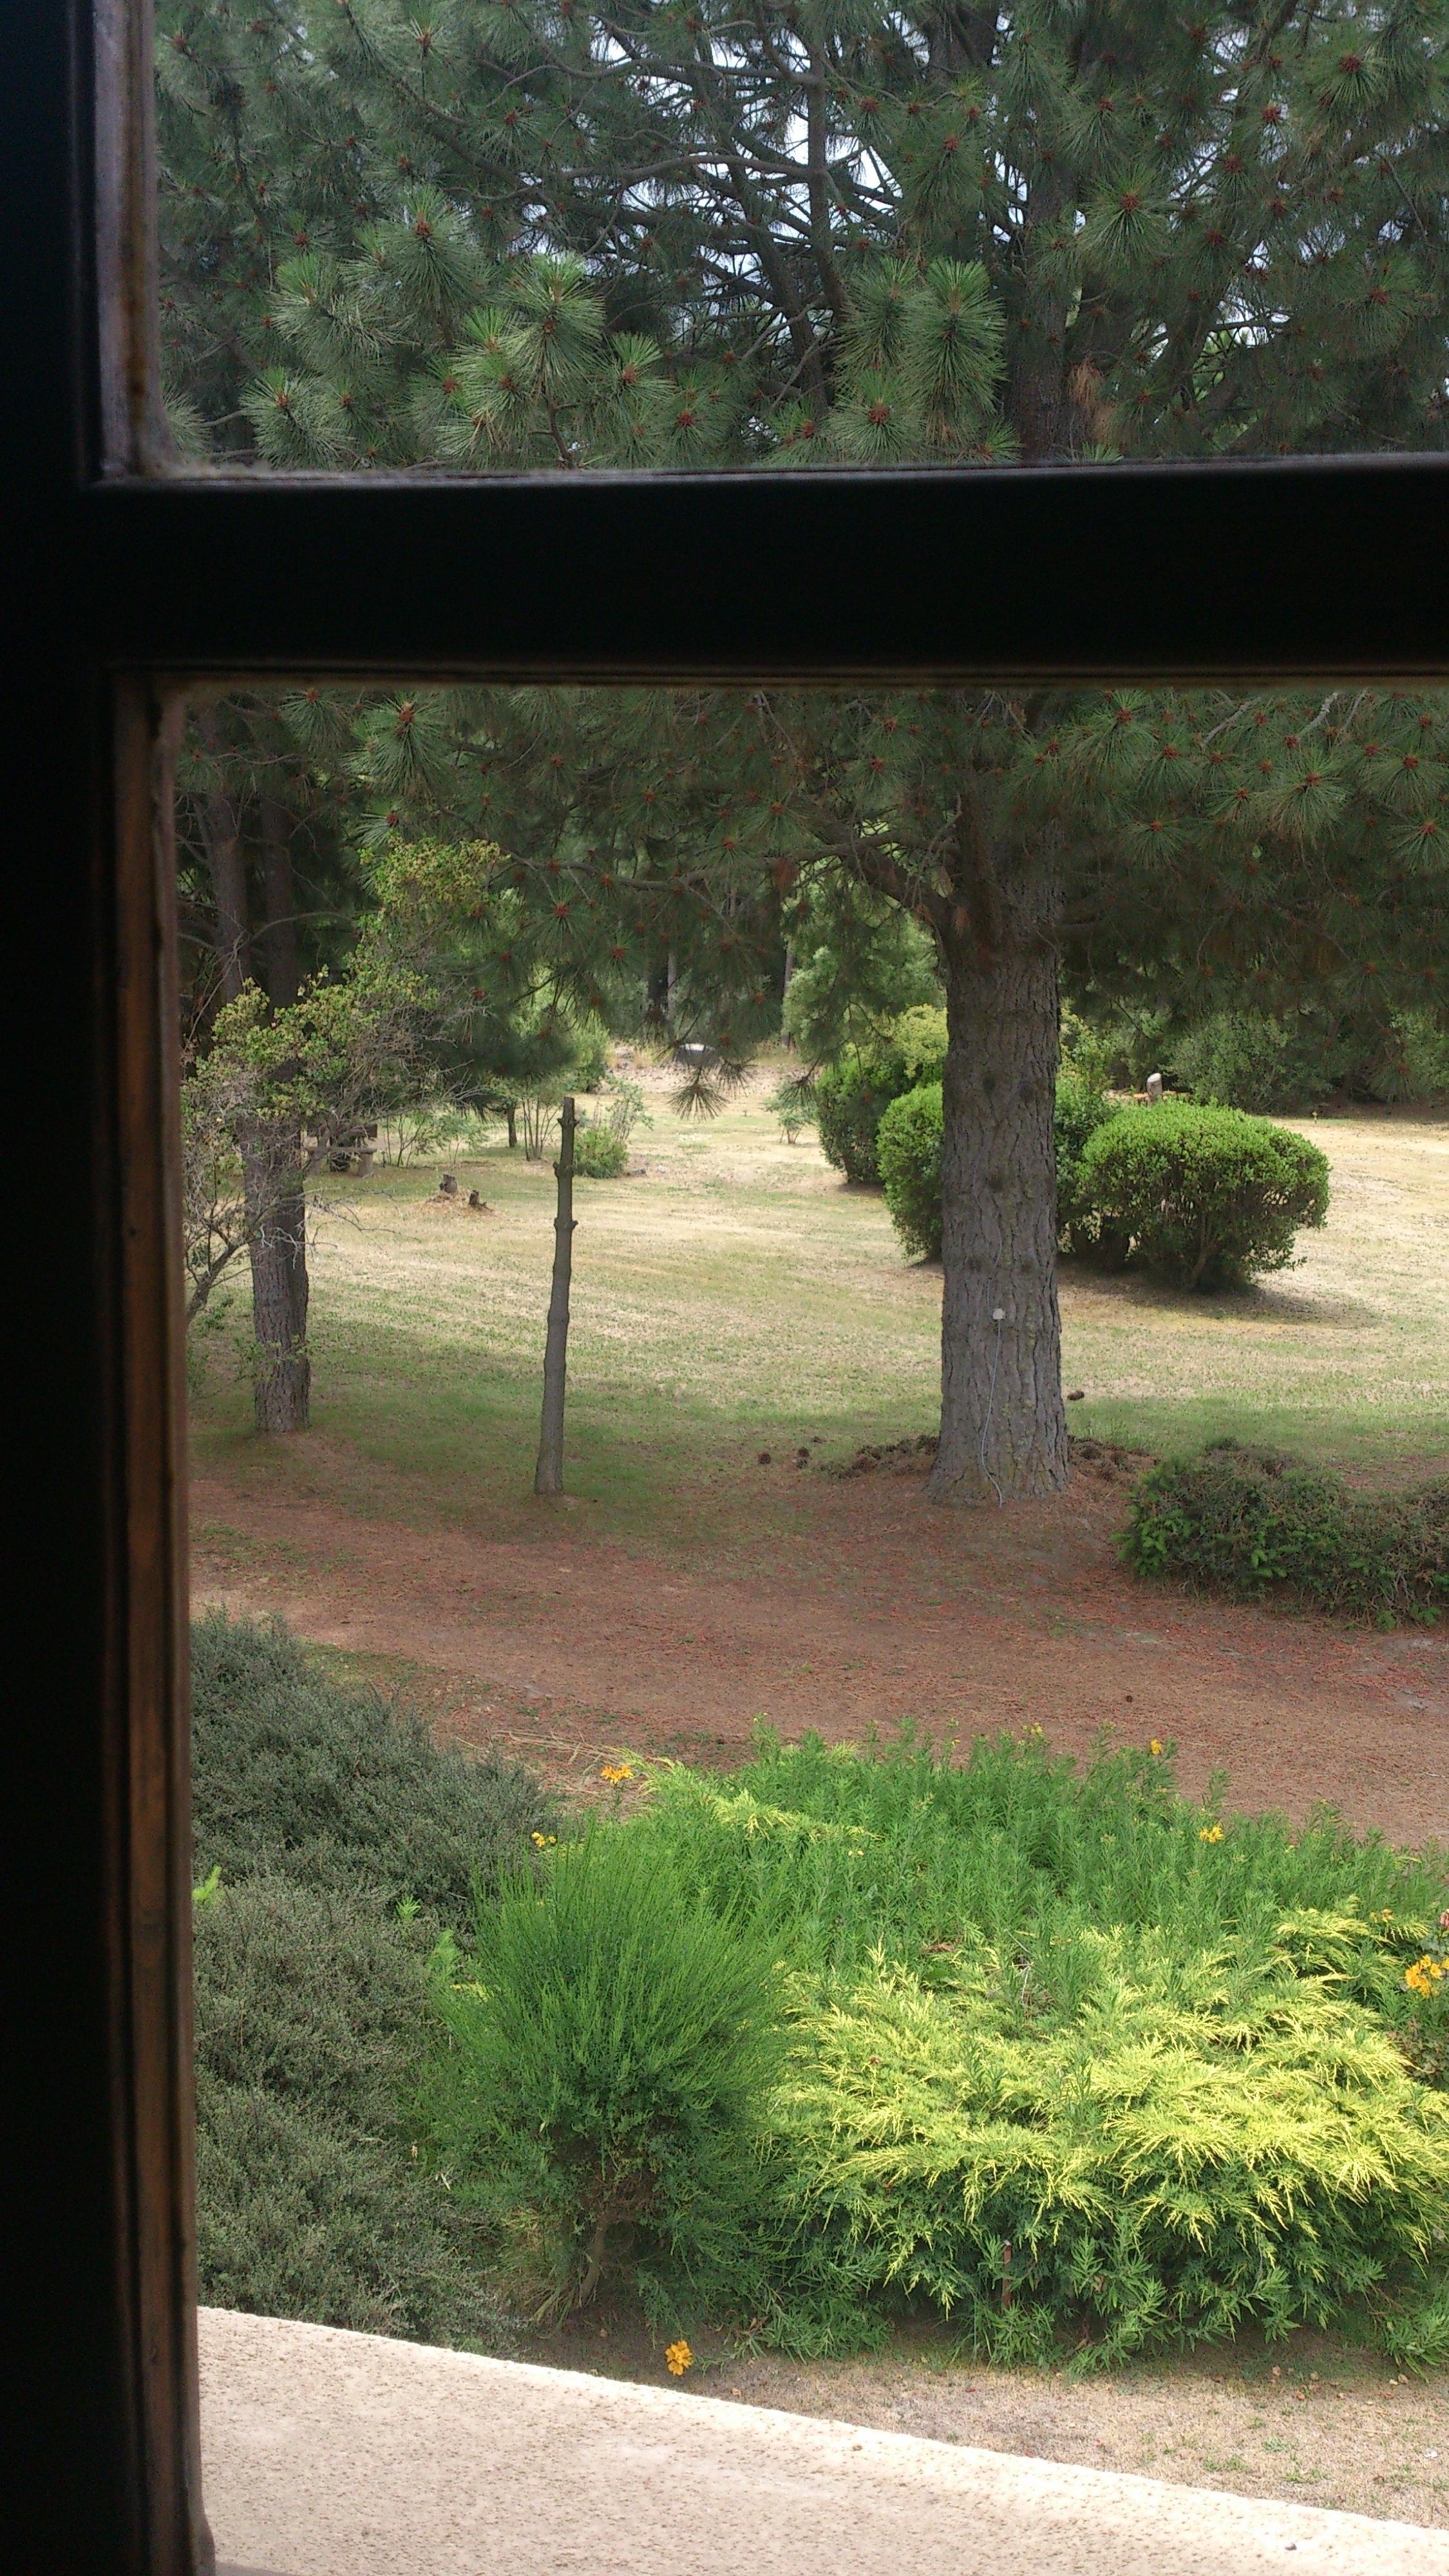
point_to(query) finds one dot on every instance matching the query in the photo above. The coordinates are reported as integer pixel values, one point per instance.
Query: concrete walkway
(330, 2454)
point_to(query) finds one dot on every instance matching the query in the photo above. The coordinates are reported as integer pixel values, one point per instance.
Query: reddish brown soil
(564, 1646)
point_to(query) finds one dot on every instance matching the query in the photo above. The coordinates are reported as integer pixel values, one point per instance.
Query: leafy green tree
(547, 234)
(275, 1094)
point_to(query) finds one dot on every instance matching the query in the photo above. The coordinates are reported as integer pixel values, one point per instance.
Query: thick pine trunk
(1003, 1425)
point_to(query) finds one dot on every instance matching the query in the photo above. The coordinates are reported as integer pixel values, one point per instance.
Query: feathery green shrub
(1207, 1197)
(336, 1785)
(1249, 1522)
(612, 2046)
(1077, 2062)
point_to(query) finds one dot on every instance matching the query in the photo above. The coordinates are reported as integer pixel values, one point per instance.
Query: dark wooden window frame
(124, 581)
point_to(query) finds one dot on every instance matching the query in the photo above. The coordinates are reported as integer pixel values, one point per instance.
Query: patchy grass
(737, 1296)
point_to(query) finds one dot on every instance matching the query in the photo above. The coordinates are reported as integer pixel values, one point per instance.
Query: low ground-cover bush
(336, 1842)
(600, 1152)
(312, 2025)
(1206, 1197)
(1245, 1521)
(1069, 2058)
(337, 1785)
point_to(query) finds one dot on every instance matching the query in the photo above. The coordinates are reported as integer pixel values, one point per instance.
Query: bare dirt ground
(1309, 2422)
(563, 1647)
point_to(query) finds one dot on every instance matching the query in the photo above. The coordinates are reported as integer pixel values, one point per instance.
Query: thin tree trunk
(548, 1477)
(290, 1393)
(511, 1114)
(1003, 1422)
(276, 1216)
(282, 1391)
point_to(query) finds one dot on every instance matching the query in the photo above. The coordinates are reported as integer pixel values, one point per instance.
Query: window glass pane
(503, 234)
(661, 1890)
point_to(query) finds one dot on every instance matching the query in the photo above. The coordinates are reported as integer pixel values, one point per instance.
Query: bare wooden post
(548, 1476)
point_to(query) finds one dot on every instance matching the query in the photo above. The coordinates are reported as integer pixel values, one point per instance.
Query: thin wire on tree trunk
(548, 1476)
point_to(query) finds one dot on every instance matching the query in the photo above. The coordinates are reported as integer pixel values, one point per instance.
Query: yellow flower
(1155, 1746)
(1211, 1834)
(543, 1840)
(679, 2358)
(1424, 1975)
(617, 1771)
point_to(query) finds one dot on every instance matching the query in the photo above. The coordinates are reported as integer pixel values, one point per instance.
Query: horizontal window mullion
(1299, 568)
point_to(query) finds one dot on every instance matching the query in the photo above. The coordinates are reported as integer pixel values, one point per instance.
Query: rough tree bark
(282, 1393)
(1003, 1422)
(275, 1203)
(548, 1476)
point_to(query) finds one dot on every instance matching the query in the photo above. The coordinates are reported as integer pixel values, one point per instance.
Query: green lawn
(737, 1297)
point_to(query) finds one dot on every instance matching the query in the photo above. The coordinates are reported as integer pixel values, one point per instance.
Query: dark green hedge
(1245, 1521)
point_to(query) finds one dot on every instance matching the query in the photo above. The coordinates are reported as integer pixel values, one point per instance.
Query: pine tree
(501, 235)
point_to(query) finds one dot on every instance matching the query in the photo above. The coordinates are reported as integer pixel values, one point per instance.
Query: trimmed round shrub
(852, 1097)
(1245, 1521)
(600, 1153)
(1081, 1108)
(1206, 1197)
(849, 1104)
(908, 1154)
